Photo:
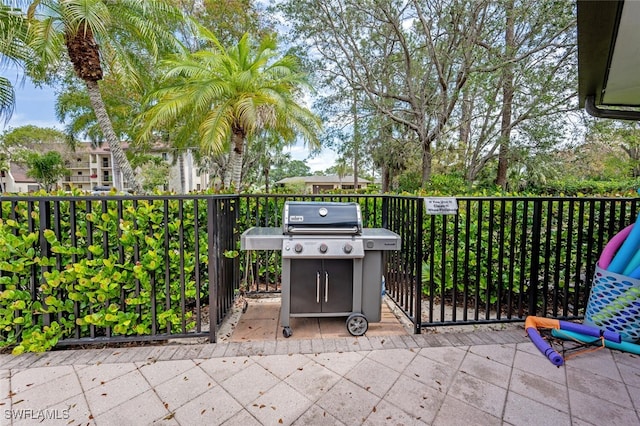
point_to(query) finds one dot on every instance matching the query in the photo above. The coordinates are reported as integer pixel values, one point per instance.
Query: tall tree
(507, 94)
(229, 95)
(47, 168)
(230, 18)
(99, 35)
(409, 58)
(538, 67)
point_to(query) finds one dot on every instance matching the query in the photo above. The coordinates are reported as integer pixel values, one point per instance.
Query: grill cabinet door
(321, 286)
(339, 296)
(305, 286)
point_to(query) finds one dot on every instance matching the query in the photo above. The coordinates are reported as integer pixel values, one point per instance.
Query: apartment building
(91, 168)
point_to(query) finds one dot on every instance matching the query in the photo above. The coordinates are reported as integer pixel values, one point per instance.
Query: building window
(165, 156)
(79, 173)
(105, 162)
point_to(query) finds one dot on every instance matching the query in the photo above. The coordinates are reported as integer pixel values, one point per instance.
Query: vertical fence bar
(74, 258)
(212, 212)
(183, 281)
(432, 264)
(501, 256)
(476, 295)
(513, 255)
(418, 265)
(467, 254)
(167, 269)
(535, 257)
(489, 275)
(557, 255)
(196, 271)
(45, 250)
(546, 254)
(455, 271)
(443, 267)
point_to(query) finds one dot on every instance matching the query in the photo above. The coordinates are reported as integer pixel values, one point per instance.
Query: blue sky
(33, 105)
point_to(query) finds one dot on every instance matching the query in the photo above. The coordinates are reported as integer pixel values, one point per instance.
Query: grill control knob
(298, 248)
(323, 248)
(348, 248)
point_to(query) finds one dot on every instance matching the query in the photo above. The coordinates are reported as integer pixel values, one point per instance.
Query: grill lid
(319, 217)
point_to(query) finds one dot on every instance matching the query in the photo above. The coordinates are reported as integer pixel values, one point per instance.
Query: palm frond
(7, 100)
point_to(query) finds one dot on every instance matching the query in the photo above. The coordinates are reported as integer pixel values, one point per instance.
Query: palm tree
(229, 95)
(13, 51)
(117, 35)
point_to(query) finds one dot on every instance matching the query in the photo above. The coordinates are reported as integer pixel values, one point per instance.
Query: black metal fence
(115, 268)
(148, 268)
(496, 260)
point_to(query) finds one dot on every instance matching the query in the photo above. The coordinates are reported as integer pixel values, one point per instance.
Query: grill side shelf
(261, 238)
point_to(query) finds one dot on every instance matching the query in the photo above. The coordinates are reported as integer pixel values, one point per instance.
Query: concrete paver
(488, 378)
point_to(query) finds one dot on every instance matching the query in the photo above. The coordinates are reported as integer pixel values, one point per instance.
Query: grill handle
(326, 286)
(354, 230)
(318, 287)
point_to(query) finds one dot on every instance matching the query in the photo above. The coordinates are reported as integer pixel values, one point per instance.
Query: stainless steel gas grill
(331, 265)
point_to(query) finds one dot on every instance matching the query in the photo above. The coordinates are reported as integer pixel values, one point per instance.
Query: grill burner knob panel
(312, 247)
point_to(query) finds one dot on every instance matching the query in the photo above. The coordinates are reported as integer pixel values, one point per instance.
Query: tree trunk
(465, 129)
(266, 179)
(237, 140)
(507, 99)
(426, 162)
(120, 159)
(183, 183)
(356, 141)
(386, 175)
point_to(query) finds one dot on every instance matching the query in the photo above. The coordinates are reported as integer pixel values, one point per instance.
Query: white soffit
(623, 85)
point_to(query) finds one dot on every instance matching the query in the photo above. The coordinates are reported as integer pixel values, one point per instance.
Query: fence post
(417, 324)
(534, 271)
(44, 210)
(385, 212)
(212, 233)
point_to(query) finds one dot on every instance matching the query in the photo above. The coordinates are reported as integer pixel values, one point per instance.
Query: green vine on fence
(79, 286)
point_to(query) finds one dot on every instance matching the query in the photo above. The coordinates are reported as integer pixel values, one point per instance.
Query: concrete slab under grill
(261, 322)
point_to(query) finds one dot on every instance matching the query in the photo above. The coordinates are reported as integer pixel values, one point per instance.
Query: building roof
(322, 180)
(608, 38)
(19, 174)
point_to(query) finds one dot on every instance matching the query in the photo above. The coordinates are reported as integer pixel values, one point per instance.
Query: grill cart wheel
(357, 324)
(287, 332)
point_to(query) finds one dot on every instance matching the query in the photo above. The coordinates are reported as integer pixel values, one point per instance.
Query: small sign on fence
(441, 205)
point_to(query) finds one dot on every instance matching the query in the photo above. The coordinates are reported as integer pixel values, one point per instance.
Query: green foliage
(29, 136)
(447, 184)
(484, 252)
(46, 168)
(582, 187)
(289, 168)
(117, 268)
(229, 95)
